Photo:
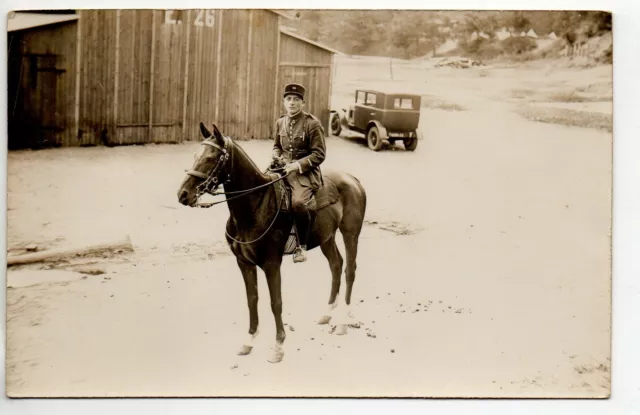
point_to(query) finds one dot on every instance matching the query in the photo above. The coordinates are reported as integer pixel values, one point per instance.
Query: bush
(606, 56)
(517, 45)
(481, 49)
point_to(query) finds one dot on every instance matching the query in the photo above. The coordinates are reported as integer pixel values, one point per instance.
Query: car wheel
(373, 139)
(334, 124)
(410, 143)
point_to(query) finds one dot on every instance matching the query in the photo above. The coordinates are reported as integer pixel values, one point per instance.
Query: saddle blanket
(327, 195)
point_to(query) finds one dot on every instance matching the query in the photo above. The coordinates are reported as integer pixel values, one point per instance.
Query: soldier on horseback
(299, 144)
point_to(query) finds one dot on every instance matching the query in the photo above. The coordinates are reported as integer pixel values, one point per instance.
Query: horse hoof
(276, 356)
(324, 320)
(245, 350)
(341, 329)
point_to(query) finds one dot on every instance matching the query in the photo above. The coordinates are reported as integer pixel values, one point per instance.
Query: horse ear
(203, 130)
(217, 134)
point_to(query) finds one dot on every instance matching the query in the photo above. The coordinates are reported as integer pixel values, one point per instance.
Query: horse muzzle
(186, 199)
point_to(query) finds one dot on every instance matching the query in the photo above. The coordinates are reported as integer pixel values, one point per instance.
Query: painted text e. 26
(200, 17)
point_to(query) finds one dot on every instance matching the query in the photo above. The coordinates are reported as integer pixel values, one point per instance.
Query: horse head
(210, 167)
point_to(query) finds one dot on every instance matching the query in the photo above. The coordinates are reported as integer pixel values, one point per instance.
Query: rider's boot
(304, 225)
(302, 228)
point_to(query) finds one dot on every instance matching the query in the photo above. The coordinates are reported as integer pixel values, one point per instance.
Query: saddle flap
(327, 195)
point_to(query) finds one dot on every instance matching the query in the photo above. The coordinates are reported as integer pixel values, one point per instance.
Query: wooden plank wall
(200, 104)
(233, 69)
(134, 76)
(168, 82)
(261, 114)
(25, 97)
(97, 76)
(309, 65)
(296, 50)
(170, 69)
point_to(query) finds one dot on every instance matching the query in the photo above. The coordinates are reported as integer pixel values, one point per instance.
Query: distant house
(502, 34)
(447, 46)
(532, 33)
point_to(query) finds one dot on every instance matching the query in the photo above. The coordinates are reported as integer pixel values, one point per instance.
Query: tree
(418, 32)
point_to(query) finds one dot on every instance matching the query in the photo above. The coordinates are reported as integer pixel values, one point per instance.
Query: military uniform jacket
(301, 138)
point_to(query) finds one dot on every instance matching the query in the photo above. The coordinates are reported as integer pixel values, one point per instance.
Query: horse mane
(246, 156)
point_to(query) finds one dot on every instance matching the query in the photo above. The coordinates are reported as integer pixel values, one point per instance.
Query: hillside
(411, 34)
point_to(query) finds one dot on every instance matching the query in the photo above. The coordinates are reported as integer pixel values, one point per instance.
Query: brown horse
(259, 225)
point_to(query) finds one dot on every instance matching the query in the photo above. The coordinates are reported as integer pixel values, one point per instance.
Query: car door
(366, 110)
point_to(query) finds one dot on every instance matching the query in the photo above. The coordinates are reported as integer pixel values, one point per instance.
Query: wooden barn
(113, 77)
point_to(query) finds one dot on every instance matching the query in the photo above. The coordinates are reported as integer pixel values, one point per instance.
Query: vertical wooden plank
(331, 73)
(246, 119)
(186, 77)
(152, 74)
(276, 92)
(316, 92)
(78, 71)
(263, 84)
(116, 74)
(219, 66)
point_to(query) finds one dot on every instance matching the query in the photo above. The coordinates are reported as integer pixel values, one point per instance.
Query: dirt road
(483, 271)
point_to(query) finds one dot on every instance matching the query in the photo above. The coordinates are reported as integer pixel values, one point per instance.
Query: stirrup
(299, 254)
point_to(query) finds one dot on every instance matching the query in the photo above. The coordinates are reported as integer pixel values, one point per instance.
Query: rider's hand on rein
(291, 167)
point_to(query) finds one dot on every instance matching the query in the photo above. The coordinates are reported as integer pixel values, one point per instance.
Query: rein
(213, 178)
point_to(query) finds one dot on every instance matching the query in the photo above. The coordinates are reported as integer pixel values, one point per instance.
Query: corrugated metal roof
(304, 39)
(21, 21)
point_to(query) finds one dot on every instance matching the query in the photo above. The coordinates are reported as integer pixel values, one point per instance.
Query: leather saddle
(327, 195)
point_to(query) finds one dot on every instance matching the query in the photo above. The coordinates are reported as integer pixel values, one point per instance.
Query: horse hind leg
(351, 246)
(331, 252)
(350, 235)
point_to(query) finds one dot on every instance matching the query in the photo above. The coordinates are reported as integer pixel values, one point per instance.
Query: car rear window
(403, 103)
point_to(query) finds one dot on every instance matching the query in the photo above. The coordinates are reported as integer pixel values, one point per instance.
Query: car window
(403, 103)
(360, 97)
(371, 99)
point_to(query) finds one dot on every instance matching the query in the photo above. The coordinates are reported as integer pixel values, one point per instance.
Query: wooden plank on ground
(119, 246)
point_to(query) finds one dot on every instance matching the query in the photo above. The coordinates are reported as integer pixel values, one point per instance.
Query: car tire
(411, 143)
(334, 124)
(373, 138)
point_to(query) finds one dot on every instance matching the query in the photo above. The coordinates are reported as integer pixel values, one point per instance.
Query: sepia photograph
(313, 203)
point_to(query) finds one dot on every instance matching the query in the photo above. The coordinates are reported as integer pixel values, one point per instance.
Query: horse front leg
(250, 275)
(272, 272)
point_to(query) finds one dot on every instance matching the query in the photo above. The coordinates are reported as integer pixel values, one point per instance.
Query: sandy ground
(483, 269)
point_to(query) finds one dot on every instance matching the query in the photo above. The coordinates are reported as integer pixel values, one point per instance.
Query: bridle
(212, 178)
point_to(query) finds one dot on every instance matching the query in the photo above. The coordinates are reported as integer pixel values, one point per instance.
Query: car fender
(383, 131)
(342, 116)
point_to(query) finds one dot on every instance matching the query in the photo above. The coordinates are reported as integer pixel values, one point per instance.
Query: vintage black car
(381, 116)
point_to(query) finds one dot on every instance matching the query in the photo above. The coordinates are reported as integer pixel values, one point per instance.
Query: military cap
(294, 89)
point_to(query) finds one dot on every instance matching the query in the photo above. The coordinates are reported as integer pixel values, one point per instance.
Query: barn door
(168, 77)
(311, 78)
(38, 121)
(150, 61)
